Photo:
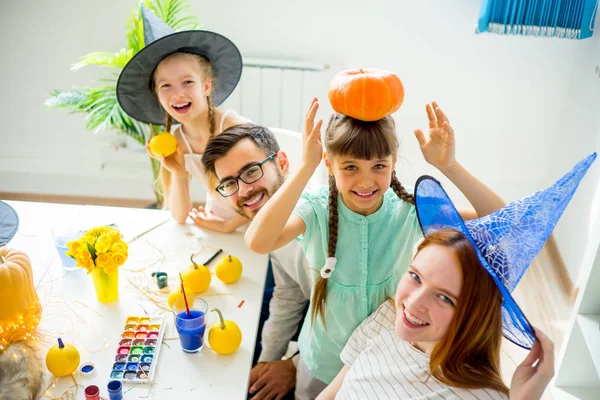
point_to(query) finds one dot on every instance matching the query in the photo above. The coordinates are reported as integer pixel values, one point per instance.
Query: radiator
(277, 93)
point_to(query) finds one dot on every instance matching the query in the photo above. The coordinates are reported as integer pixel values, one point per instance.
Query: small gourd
(62, 359)
(224, 336)
(175, 295)
(229, 269)
(163, 145)
(196, 278)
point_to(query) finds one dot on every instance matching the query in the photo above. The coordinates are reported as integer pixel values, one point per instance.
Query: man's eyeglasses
(249, 175)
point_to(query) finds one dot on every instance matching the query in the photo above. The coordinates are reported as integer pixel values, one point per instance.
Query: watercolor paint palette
(137, 354)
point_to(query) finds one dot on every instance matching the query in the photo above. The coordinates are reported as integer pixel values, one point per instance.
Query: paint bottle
(92, 393)
(115, 390)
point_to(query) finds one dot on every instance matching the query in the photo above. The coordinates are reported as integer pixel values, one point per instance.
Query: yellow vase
(107, 285)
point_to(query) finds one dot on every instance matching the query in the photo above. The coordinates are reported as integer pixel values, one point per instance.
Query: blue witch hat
(507, 240)
(134, 91)
(9, 223)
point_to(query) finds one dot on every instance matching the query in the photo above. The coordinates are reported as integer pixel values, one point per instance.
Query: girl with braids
(182, 78)
(358, 233)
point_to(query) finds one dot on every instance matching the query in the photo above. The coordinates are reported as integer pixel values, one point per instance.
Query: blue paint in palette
(119, 366)
(131, 366)
(147, 358)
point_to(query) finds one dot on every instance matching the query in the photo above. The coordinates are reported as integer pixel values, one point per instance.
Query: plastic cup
(191, 327)
(63, 235)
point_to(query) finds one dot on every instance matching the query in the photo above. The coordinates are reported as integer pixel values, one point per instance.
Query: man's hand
(272, 380)
(255, 372)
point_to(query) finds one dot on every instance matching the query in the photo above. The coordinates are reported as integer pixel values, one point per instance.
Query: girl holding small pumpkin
(183, 77)
(359, 232)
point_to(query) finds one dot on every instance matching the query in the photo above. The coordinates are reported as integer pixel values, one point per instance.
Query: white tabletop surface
(72, 312)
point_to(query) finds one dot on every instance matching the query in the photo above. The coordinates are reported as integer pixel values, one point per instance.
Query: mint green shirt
(373, 252)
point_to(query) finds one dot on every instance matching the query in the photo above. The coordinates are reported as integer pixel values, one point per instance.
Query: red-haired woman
(439, 337)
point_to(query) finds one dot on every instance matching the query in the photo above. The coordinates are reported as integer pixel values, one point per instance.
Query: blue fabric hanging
(568, 19)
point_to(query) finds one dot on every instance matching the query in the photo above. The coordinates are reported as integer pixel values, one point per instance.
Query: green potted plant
(100, 102)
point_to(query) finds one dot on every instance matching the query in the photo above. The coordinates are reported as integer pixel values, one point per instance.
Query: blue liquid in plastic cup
(191, 327)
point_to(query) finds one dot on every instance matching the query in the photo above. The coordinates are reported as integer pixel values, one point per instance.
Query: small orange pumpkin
(366, 94)
(20, 308)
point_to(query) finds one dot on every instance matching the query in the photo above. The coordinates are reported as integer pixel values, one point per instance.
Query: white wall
(510, 99)
(49, 151)
(578, 233)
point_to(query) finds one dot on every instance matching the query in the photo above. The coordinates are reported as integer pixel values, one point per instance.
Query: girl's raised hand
(312, 148)
(438, 149)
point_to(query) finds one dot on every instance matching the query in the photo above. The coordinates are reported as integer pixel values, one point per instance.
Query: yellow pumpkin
(163, 145)
(229, 269)
(62, 359)
(196, 278)
(20, 308)
(224, 336)
(173, 297)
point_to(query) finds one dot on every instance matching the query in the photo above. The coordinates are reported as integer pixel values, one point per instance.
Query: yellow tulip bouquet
(99, 248)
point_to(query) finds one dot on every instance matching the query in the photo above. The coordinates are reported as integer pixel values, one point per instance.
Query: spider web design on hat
(507, 240)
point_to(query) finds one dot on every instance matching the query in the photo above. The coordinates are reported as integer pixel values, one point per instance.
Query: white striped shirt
(383, 366)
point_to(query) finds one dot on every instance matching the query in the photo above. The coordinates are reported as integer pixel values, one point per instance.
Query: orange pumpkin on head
(366, 94)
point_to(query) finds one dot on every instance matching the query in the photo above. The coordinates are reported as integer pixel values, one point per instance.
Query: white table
(71, 311)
